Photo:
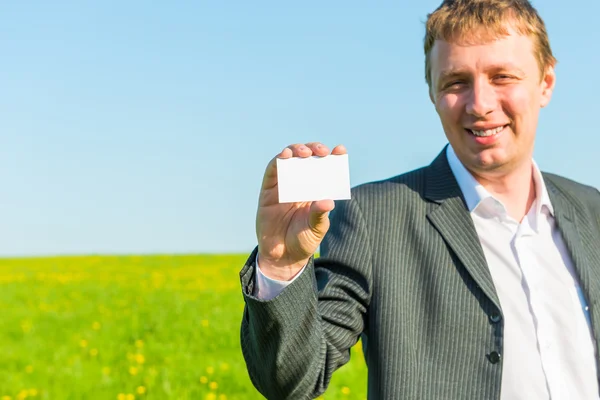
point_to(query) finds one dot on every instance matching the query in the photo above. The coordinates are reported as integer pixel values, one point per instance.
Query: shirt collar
(474, 192)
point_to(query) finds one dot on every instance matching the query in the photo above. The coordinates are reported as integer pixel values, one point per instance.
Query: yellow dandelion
(222, 397)
(133, 370)
(6, 398)
(29, 369)
(204, 323)
(93, 352)
(139, 344)
(210, 370)
(203, 379)
(83, 343)
(32, 392)
(106, 371)
(121, 396)
(346, 390)
(130, 397)
(141, 390)
(26, 326)
(22, 395)
(139, 358)
(213, 385)
(211, 396)
(96, 325)
(224, 366)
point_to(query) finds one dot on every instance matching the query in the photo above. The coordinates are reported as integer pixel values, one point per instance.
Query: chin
(489, 160)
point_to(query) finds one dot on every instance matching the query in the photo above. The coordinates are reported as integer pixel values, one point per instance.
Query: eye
(454, 85)
(503, 77)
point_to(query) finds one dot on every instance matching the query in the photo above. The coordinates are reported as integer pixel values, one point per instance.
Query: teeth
(489, 132)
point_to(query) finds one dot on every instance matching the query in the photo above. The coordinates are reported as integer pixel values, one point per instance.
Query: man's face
(488, 97)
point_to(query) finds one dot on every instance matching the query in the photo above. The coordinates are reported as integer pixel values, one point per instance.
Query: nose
(483, 99)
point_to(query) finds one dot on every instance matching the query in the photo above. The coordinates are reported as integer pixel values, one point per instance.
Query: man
(476, 277)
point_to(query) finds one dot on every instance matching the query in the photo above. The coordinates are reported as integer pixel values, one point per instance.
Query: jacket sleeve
(294, 342)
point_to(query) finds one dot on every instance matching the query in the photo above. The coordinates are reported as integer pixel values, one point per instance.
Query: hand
(290, 233)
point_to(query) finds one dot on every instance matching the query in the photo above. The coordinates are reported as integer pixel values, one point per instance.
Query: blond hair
(484, 20)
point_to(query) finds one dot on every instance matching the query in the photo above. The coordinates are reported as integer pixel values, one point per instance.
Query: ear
(547, 85)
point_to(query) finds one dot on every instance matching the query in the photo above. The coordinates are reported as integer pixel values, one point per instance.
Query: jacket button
(495, 317)
(494, 357)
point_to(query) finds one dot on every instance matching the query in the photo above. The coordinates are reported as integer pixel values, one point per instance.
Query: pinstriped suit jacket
(402, 266)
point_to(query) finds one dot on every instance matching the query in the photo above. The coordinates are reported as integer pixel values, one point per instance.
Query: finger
(318, 149)
(285, 153)
(300, 150)
(270, 176)
(338, 150)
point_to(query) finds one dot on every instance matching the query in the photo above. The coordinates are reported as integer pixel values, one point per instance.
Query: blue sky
(131, 127)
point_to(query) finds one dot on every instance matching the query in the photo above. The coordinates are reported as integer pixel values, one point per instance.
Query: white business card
(313, 178)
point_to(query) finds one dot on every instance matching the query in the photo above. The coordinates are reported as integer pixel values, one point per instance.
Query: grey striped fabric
(402, 268)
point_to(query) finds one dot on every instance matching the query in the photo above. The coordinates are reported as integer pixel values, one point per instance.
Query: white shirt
(548, 350)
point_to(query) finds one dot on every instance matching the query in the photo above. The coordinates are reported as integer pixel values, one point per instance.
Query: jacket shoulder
(404, 185)
(575, 191)
(569, 185)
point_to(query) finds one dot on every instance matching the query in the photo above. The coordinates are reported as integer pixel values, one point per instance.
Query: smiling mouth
(487, 132)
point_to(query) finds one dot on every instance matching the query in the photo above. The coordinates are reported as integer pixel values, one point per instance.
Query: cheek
(519, 102)
(448, 107)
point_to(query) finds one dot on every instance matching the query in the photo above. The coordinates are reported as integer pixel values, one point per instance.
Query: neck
(516, 189)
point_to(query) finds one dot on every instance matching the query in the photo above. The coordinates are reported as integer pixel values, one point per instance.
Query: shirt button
(494, 357)
(495, 317)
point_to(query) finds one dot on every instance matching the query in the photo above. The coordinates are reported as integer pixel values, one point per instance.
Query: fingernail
(319, 146)
(302, 147)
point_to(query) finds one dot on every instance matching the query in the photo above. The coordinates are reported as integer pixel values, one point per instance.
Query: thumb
(318, 219)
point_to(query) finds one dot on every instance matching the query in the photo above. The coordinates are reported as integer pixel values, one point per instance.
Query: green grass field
(148, 327)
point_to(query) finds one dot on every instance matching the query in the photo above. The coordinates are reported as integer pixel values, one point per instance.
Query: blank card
(313, 178)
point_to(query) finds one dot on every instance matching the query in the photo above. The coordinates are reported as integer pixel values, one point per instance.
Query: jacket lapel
(454, 223)
(582, 243)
